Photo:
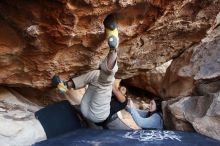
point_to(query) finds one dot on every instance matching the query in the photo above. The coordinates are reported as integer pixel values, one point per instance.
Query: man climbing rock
(95, 104)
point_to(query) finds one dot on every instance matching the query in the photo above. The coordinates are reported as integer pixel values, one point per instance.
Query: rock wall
(201, 111)
(192, 83)
(18, 125)
(196, 71)
(150, 81)
(195, 78)
(40, 38)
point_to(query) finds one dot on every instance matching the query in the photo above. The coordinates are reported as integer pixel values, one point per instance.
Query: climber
(95, 104)
(118, 102)
(147, 119)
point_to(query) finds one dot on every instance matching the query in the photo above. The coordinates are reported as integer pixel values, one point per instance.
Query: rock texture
(18, 125)
(40, 38)
(172, 121)
(182, 24)
(196, 71)
(193, 82)
(201, 111)
(195, 78)
(150, 81)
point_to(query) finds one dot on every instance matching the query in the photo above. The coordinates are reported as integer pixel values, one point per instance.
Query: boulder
(196, 71)
(194, 79)
(18, 125)
(150, 81)
(202, 112)
(173, 121)
(43, 38)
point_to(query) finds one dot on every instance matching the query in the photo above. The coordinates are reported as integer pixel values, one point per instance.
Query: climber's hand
(57, 82)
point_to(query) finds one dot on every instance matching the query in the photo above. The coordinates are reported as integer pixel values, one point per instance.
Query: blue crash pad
(83, 137)
(58, 119)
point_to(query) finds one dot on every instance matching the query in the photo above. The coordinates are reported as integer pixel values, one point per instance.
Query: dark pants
(115, 106)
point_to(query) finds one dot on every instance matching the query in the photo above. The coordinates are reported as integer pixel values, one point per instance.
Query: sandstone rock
(201, 111)
(41, 38)
(196, 71)
(51, 95)
(174, 120)
(182, 24)
(18, 125)
(150, 81)
(175, 84)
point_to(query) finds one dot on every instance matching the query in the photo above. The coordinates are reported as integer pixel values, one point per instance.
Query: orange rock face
(40, 38)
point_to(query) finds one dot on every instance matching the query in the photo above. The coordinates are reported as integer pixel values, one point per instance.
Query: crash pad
(58, 119)
(83, 137)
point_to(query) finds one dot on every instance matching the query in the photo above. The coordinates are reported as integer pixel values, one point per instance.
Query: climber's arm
(119, 96)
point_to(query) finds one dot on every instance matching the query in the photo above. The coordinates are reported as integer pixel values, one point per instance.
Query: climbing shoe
(61, 85)
(110, 22)
(111, 31)
(112, 42)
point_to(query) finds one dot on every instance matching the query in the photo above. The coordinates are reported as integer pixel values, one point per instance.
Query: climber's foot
(111, 31)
